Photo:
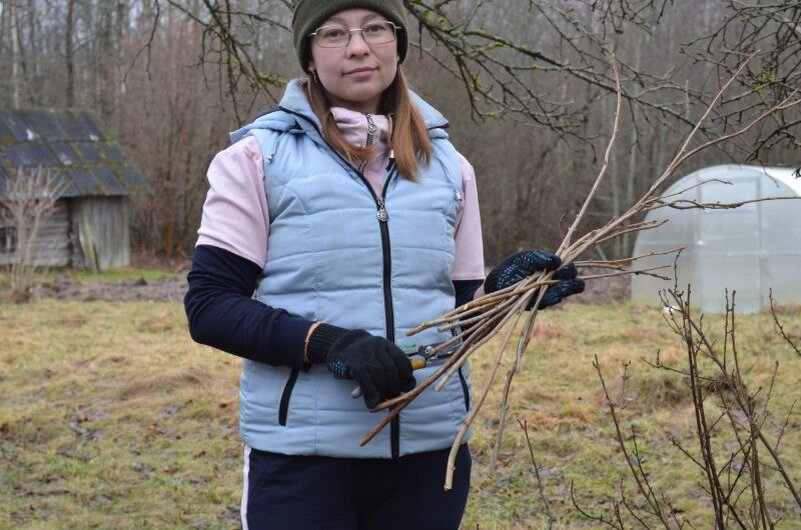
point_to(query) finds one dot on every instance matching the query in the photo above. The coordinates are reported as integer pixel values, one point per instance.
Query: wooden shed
(89, 226)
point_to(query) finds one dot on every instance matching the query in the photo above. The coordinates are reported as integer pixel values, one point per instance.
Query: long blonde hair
(408, 137)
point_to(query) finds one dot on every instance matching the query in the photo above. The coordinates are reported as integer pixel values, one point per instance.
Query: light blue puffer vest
(331, 259)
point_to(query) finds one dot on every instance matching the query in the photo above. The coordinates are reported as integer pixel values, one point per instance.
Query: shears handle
(416, 365)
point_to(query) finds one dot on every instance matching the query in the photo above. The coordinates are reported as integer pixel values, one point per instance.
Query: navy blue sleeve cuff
(465, 290)
(222, 313)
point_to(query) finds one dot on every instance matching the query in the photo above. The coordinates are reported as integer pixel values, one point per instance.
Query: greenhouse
(751, 249)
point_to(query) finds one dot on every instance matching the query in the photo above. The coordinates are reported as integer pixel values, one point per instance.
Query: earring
(314, 78)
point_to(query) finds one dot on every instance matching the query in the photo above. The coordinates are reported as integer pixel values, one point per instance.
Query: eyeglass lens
(335, 36)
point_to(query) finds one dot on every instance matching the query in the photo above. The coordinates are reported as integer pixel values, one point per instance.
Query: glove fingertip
(567, 271)
(369, 393)
(371, 403)
(550, 299)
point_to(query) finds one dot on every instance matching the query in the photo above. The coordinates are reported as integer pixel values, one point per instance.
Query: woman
(354, 219)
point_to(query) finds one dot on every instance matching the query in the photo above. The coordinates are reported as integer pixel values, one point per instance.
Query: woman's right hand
(380, 368)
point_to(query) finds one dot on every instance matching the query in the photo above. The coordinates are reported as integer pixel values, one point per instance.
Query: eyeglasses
(335, 36)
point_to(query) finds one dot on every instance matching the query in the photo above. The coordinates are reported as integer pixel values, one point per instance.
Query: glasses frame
(313, 35)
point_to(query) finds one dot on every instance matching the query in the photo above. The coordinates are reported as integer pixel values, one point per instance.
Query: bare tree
(26, 201)
(772, 31)
(181, 122)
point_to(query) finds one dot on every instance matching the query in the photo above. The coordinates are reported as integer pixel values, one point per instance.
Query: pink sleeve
(235, 216)
(469, 262)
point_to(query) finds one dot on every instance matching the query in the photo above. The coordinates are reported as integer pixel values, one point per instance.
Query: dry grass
(112, 418)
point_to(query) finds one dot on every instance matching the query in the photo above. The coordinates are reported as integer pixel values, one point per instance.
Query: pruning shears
(421, 356)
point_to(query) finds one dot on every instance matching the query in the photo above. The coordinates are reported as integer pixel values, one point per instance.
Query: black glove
(519, 266)
(380, 368)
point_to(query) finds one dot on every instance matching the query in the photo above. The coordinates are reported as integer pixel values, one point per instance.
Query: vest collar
(294, 100)
(363, 129)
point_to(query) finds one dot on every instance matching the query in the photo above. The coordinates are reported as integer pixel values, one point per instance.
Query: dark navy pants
(284, 492)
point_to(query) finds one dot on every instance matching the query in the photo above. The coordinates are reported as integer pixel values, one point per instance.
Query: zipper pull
(371, 129)
(382, 213)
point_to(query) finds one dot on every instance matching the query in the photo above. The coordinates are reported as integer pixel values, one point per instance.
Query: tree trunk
(16, 81)
(69, 53)
(105, 57)
(119, 76)
(631, 178)
(34, 73)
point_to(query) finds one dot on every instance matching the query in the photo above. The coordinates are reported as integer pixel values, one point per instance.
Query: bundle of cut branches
(501, 311)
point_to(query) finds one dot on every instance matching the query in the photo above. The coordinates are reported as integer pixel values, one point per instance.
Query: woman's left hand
(520, 266)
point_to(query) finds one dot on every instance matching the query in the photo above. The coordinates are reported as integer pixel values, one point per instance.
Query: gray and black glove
(519, 266)
(380, 368)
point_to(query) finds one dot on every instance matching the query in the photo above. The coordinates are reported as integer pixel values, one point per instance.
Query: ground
(170, 288)
(167, 287)
(172, 285)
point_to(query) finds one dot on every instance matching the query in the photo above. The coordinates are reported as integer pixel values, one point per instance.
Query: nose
(357, 45)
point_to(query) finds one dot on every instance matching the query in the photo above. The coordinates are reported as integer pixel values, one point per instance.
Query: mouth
(360, 70)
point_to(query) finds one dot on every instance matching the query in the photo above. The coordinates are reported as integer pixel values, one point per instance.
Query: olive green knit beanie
(309, 14)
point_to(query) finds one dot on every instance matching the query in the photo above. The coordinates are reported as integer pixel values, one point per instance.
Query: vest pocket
(283, 408)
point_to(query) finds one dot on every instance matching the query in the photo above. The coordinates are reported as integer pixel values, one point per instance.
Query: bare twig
(787, 339)
(540, 485)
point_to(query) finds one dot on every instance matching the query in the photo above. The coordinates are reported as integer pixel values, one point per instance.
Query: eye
(332, 33)
(375, 28)
(328, 35)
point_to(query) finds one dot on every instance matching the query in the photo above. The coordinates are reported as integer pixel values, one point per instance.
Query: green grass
(112, 417)
(112, 275)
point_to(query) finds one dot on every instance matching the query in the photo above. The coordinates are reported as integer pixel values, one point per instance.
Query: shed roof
(69, 144)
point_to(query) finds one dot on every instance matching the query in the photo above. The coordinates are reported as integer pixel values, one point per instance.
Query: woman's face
(356, 75)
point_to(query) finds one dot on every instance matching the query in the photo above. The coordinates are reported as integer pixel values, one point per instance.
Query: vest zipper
(381, 214)
(383, 218)
(389, 310)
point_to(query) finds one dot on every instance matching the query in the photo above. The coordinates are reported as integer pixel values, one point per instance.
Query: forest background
(526, 85)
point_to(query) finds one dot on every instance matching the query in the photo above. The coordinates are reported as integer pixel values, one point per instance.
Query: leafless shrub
(736, 446)
(27, 199)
